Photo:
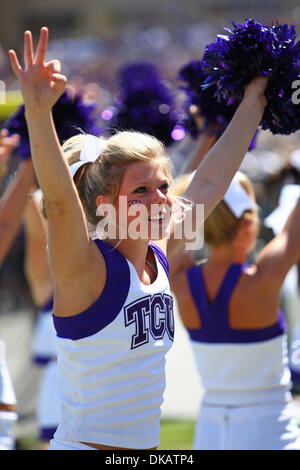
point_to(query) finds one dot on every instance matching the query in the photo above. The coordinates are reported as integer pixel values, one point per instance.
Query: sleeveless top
(111, 358)
(44, 343)
(236, 366)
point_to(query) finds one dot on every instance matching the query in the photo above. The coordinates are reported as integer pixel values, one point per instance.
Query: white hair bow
(237, 199)
(92, 148)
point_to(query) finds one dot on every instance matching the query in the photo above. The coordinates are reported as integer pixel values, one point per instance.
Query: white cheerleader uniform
(111, 359)
(7, 396)
(247, 403)
(44, 354)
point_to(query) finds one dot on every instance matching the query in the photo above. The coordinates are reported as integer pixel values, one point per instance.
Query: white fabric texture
(258, 427)
(7, 436)
(48, 406)
(243, 373)
(7, 393)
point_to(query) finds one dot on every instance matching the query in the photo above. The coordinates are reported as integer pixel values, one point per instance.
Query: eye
(164, 186)
(141, 189)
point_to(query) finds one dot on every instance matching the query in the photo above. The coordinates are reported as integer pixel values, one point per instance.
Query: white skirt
(270, 426)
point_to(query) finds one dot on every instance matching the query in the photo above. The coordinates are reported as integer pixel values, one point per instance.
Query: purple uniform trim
(47, 307)
(46, 434)
(295, 376)
(215, 326)
(107, 306)
(42, 360)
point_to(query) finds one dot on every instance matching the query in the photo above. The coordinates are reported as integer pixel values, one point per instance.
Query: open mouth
(157, 218)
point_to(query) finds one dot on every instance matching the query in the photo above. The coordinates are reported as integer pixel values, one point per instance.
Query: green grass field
(176, 435)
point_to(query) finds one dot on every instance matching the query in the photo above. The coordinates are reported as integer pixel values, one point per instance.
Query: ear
(100, 201)
(243, 230)
(247, 225)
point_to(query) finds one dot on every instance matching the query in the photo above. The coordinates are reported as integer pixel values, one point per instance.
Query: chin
(159, 232)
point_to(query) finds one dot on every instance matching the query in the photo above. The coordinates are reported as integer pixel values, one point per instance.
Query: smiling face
(144, 191)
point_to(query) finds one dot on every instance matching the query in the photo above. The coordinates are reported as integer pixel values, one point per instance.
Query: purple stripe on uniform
(160, 256)
(236, 335)
(42, 360)
(47, 307)
(47, 433)
(214, 316)
(295, 376)
(107, 306)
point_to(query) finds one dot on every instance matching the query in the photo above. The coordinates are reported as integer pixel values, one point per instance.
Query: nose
(159, 202)
(159, 197)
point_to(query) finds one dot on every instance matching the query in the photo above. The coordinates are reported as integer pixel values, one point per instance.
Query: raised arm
(36, 264)
(220, 164)
(41, 85)
(280, 254)
(11, 206)
(204, 143)
(14, 198)
(7, 144)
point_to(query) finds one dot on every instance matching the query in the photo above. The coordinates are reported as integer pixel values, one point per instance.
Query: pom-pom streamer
(251, 50)
(144, 103)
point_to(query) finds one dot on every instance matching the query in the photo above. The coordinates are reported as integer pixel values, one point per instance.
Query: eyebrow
(138, 183)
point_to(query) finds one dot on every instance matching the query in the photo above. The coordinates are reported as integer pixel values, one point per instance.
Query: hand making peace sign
(41, 82)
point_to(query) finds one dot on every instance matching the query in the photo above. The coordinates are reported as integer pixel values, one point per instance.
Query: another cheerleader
(231, 312)
(44, 353)
(70, 113)
(113, 305)
(11, 208)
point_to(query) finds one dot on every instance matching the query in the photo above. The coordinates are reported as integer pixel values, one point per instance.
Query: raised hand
(7, 144)
(41, 82)
(256, 90)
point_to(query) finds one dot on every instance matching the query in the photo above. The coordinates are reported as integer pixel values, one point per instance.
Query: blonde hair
(180, 184)
(222, 225)
(104, 176)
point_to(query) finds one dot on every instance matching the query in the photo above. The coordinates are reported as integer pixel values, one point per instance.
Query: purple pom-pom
(251, 50)
(70, 115)
(217, 115)
(144, 103)
(209, 108)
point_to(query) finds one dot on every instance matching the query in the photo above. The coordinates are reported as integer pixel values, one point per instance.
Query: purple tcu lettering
(159, 309)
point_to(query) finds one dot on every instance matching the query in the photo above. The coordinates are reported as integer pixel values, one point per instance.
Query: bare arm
(180, 263)
(7, 144)
(42, 84)
(281, 253)
(219, 166)
(36, 264)
(12, 205)
(204, 143)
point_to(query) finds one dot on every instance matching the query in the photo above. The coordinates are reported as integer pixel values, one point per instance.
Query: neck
(134, 250)
(227, 254)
